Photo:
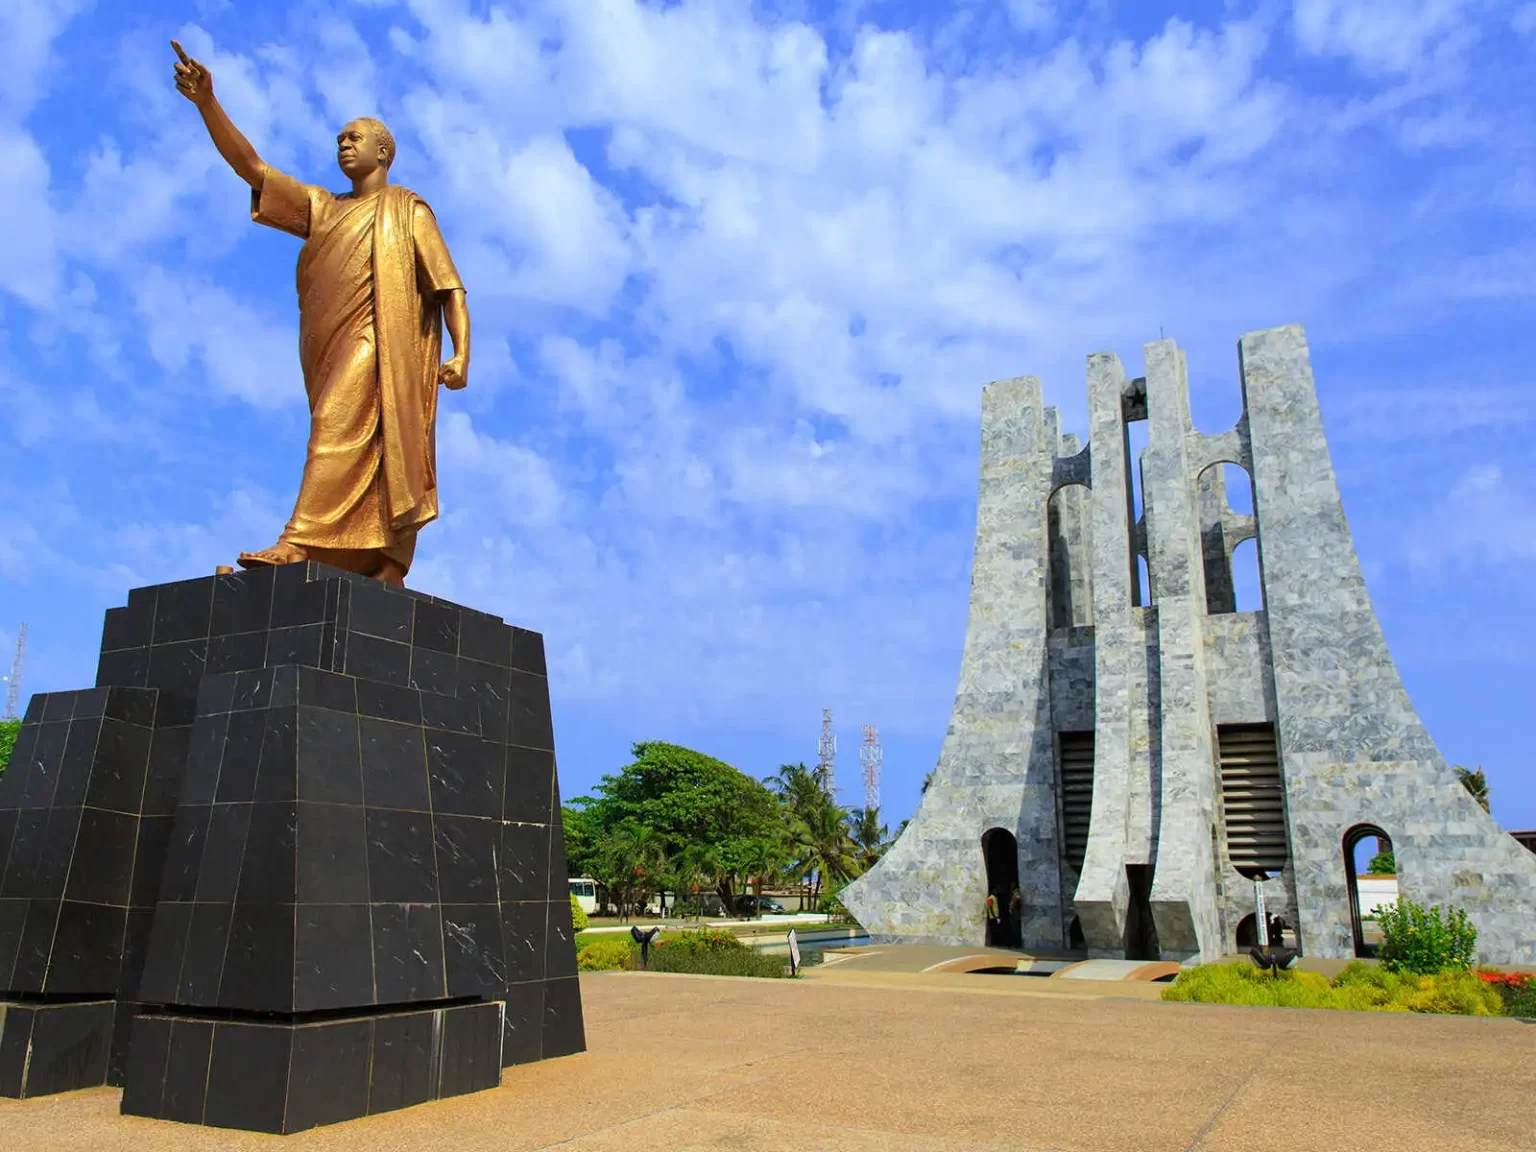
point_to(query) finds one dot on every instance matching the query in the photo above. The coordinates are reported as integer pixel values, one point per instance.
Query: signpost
(794, 954)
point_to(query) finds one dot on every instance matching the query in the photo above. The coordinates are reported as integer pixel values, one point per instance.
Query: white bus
(584, 888)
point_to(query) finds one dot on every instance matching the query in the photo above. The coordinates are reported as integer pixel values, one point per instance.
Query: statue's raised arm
(195, 82)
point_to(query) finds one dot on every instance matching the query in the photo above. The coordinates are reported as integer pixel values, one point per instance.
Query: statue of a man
(375, 284)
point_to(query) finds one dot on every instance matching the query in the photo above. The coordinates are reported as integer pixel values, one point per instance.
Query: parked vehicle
(758, 905)
(584, 888)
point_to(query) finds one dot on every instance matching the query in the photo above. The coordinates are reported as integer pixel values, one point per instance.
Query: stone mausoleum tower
(1132, 766)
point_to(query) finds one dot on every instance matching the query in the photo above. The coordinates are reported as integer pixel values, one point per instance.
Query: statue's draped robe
(371, 279)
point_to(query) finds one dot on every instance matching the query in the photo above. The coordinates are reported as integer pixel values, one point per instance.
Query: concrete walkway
(689, 1063)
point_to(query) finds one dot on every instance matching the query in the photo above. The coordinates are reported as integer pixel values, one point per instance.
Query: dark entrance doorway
(1140, 929)
(1357, 861)
(1000, 851)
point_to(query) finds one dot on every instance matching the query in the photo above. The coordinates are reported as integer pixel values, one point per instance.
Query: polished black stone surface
(300, 794)
(284, 1077)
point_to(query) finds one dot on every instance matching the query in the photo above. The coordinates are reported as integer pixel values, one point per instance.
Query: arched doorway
(1355, 860)
(1000, 852)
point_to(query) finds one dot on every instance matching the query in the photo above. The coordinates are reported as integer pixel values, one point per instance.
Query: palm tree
(762, 858)
(798, 787)
(695, 868)
(1474, 782)
(633, 862)
(870, 837)
(822, 848)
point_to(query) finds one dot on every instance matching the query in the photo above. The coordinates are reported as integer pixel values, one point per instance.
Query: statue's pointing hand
(193, 80)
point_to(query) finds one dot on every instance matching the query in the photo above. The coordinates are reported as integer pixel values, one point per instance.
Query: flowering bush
(1425, 942)
(1516, 989)
(705, 940)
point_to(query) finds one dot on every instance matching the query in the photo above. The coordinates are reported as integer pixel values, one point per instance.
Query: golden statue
(375, 284)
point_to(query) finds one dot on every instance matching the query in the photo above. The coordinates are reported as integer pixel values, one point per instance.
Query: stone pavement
(897, 1064)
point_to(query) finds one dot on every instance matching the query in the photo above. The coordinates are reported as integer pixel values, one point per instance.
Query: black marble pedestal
(296, 858)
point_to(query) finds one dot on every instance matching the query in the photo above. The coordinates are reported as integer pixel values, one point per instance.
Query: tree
(798, 788)
(8, 731)
(822, 848)
(870, 838)
(1474, 782)
(1384, 863)
(687, 798)
(761, 858)
(695, 867)
(632, 863)
(582, 834)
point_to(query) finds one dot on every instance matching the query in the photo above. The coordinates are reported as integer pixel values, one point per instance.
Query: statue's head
(363, 146)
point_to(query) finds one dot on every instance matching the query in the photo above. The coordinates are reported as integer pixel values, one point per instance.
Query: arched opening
(1070, 591)
(1247, 586)
(1247, 932)
(1362, 844)
(1231, 565)
(1143, 583)
(1281, 935)
(1239, 488)
(1000, 852)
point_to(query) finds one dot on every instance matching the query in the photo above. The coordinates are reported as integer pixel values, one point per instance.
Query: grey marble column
(997, 767)
(1352, 746)
(1184, 905)
(1102, 894)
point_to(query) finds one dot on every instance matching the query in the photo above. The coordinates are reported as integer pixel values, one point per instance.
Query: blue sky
(737, 274)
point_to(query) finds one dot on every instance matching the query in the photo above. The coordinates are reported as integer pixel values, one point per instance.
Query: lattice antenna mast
(871, 757)
(13, 681)
(826, 752)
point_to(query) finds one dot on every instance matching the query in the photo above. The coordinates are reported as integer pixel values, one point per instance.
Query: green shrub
(1358, 987)
(1245, 984)
(739, 961)
(704, 940)
(8, 731)
(606, 955)
(832, 904)
(1425, 941)
(1382, 864)
(578, 916)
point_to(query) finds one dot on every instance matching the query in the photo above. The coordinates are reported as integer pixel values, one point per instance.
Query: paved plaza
(899, 1062)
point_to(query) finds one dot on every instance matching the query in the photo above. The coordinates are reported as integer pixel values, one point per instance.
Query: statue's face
(359, 150)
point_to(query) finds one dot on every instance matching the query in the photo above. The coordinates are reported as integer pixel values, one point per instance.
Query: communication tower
(870, 759)
(13, 681)
(826, 752)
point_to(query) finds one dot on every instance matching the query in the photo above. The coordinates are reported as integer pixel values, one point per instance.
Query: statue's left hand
(455, 373)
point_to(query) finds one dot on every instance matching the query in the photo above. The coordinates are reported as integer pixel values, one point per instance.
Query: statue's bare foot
(280, 553)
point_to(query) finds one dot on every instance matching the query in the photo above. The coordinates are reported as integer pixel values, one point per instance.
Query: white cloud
(207, 340)
(1032, 15)
(1385, 37)
(1488, 518)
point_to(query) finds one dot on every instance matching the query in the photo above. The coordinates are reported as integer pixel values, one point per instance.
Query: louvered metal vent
(1253, 795)
(1076, 792)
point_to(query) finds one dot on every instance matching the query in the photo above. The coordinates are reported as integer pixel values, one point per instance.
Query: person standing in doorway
(993, 919)
(1015, 914)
